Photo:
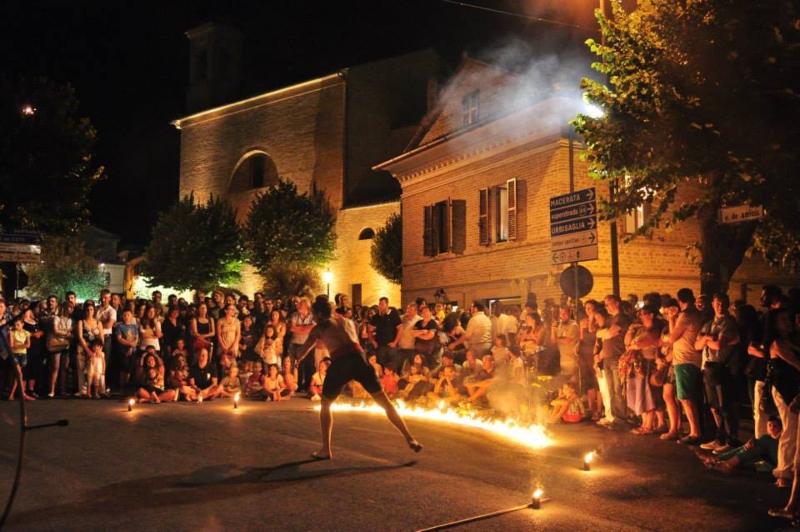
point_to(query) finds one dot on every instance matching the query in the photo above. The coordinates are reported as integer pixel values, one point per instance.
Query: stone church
(322, 134)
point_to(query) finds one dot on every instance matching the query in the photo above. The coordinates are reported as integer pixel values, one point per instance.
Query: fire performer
(347, 363)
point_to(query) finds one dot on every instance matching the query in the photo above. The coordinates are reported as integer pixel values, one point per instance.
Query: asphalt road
(212, 467)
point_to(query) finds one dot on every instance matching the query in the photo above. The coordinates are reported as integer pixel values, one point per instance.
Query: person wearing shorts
(347, 363)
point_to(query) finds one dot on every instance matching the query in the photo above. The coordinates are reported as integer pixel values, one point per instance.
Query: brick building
(323, 134)
(477, 179)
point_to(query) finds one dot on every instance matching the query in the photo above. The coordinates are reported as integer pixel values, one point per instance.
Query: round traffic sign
(585, 281)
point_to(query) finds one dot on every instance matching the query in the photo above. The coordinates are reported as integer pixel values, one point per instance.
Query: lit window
(498, 213)
(469, 108)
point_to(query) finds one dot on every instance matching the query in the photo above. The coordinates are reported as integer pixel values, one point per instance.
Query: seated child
(274, 389)
(231, 384)
(765, 449)
(318, 380)
(389, 381)
(179, 378)
(253, 385)
(567, 406)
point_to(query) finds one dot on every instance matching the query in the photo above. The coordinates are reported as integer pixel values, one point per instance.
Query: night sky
(129, 64)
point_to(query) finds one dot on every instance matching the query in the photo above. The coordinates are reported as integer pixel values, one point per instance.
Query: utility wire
(518, 15)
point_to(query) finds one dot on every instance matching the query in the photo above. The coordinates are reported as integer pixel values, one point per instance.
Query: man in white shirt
(478, 335)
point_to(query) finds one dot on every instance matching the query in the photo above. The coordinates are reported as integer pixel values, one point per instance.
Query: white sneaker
(315, 397)
(712, 445)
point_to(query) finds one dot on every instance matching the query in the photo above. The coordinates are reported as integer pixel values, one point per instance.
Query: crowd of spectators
(680, 368)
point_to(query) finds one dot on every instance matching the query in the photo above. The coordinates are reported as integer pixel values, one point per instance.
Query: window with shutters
(445, 228)
(470, 108)
(497, 216)
(635, 219)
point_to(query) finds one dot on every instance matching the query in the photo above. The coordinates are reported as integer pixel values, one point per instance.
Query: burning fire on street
(532, 436)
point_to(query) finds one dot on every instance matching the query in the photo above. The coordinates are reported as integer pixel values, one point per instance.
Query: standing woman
(35, 352)
(585, 352)
(88, 330)
(643, 337)
(172, 329)
(202, 330)
(279, 324)
(530, 338)
(149, 330)
(229, 332)
(59, 341)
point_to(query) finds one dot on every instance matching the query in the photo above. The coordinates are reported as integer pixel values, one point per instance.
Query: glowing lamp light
(28, 110)
(200, 399)
(236, 401)
(131, 402)
(536, 500)
(587, 461)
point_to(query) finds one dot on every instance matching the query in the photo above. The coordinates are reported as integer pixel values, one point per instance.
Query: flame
(538, 494)
(532, 436)
(589, 457)
(236, 397)
(131, 402)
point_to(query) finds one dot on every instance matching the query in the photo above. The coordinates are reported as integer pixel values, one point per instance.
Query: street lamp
(327, 276)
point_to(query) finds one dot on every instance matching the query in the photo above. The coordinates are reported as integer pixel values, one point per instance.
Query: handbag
(56, 344)
(427, 347)
(659, 377)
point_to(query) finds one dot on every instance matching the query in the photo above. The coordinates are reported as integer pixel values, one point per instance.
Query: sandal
(670, 436)
(661, 429)
(782, 483)
(641, 431)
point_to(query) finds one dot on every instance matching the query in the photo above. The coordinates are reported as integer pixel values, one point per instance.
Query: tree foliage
(47, 166)
(284, 228)
(195, 246)
(386, 253)
(701, 111)
(286, 280)
(65, 265)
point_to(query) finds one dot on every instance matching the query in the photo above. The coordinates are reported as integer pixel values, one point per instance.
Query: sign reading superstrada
(573, 226)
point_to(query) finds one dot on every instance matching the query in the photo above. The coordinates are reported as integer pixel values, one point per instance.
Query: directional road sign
(573, 226)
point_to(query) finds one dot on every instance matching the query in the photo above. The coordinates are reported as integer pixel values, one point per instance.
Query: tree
(386, 253)
(701, 112)
(288, 232)
(47, 166)
(195, 246)
(65, 265)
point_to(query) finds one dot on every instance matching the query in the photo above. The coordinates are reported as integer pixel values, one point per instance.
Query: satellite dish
(585, 281)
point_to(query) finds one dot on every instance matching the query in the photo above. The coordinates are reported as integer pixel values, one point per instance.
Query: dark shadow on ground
(207, 485)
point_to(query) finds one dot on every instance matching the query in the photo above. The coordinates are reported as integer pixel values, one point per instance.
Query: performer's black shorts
(346, 368)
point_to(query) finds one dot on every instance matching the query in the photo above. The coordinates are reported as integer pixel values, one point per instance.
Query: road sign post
(573, 226)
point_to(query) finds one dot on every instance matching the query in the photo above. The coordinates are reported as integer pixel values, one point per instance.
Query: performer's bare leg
(326, 427)
(383, 401)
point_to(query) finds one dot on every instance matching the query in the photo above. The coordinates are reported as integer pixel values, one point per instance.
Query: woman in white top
(149, 330)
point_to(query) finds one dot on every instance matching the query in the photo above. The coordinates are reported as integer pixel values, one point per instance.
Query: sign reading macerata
(573, 226)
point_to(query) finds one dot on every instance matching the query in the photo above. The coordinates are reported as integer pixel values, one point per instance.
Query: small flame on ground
(532, 436)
